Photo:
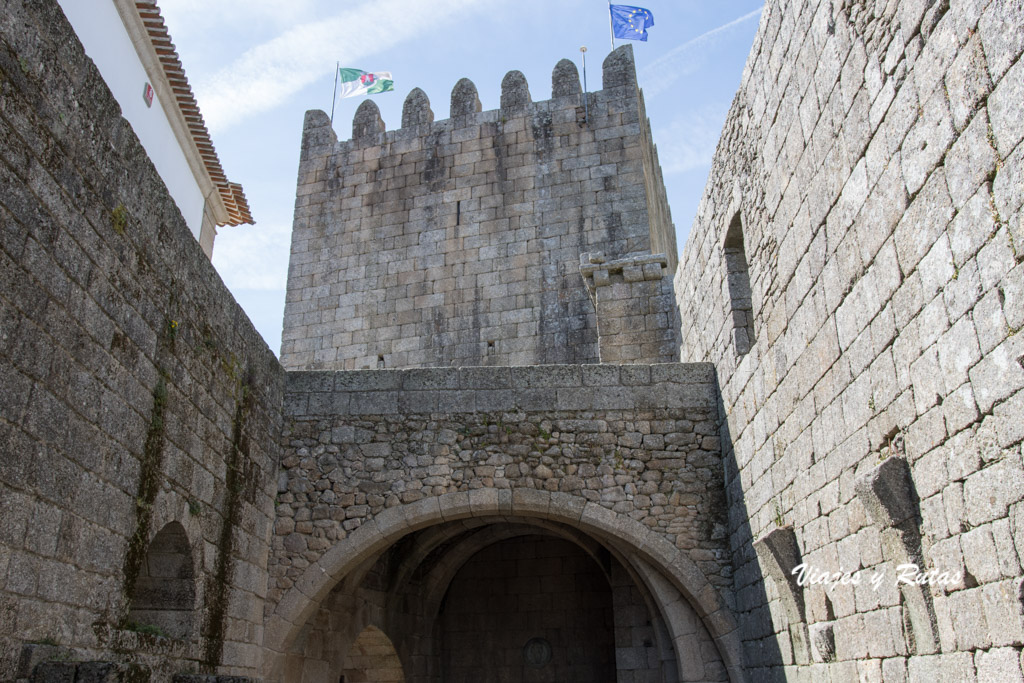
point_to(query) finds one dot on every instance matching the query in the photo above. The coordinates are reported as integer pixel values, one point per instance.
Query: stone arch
(619, 531)
(164, 594)
(527, 588)
(670, 637)
(737, 275)
(440, 577)
(372, 659)
(480, 536)
(673, 627)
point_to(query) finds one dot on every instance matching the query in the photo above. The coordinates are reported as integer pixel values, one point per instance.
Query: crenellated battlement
(618, 77)
(457, 241)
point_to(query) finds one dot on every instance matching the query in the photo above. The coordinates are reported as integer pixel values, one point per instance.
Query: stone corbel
(779, 554)
(597, 271)
(890, 499)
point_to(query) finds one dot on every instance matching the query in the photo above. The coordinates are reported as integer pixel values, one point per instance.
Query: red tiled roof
(231, 193)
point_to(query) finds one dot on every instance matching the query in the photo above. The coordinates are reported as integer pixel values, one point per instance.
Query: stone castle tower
(458, 242)
(478, 457)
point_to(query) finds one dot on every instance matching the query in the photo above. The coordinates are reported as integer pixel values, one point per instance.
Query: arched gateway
(684, 611)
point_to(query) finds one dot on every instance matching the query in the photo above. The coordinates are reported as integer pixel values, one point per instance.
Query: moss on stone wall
(149, 486)
(218, 585)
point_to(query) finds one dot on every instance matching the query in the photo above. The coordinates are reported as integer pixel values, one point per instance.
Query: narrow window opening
(738, 278)
(380, 361)
(458, 212)
(490, 344)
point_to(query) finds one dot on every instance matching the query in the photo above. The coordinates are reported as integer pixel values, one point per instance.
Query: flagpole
(586, 105)
(611, 31)
(334, 98)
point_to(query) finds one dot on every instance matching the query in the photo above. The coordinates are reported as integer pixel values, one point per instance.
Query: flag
(631, 22)
(358, 82)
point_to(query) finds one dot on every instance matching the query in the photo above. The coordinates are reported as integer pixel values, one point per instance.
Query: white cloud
(689, 142)
(190, 12)
(686, 58)
(268, 74)
(248, 257)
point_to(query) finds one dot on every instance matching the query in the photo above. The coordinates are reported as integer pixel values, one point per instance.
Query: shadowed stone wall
(872, 158)
(136, 394)
(523, 590)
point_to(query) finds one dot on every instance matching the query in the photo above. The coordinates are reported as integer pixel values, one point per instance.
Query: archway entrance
(395, 573)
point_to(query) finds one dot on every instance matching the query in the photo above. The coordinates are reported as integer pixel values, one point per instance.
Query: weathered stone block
(887, 492)
(824, 641)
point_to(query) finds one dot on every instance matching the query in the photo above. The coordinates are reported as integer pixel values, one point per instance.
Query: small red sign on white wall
(147, 94)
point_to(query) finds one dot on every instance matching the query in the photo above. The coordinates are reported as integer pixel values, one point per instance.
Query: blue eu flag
(631, 22)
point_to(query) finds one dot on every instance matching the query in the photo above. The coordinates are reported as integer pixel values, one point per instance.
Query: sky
(256, 66)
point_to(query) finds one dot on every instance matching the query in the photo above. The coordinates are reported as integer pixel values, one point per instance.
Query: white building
(129, 43)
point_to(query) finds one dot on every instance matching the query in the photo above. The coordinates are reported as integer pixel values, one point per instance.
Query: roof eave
(149, 34)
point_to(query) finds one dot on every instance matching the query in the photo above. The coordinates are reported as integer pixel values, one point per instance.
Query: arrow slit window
(738, 279)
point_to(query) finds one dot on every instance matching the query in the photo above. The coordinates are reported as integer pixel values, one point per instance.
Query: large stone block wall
(457, 242)
(135, 391)
(637, 319)
(872, 158)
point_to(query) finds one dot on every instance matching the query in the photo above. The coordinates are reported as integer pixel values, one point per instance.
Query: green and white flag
(358, 82)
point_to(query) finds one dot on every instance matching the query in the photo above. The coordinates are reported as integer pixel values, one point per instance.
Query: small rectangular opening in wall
(458, 212)
(738, 279)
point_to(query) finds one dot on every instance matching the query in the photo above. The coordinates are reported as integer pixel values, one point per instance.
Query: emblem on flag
(358, 82)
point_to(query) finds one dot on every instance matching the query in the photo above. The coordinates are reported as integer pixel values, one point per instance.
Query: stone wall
(872, 160)
(457, 242)
(637, 440)
(623, 456)
(637, 319)
(522, 590)
(137, 397)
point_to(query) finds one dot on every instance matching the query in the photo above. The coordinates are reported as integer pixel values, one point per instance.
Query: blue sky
(256, 66)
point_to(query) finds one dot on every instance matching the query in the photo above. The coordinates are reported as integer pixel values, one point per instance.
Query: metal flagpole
(586, 105)
(611, 31)
(337, 65)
